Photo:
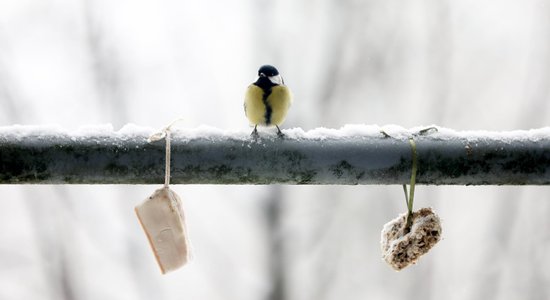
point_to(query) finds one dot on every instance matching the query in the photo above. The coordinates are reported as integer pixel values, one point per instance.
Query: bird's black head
(267, 71)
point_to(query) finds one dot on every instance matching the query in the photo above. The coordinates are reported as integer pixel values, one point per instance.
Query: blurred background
(467, 65)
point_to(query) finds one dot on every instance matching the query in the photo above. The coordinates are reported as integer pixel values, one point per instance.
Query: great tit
(267, 100)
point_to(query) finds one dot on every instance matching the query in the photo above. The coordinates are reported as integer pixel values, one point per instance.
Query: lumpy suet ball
(267, 100)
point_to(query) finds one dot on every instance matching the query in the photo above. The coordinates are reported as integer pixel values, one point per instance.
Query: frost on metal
(400, 249)
(163, 221)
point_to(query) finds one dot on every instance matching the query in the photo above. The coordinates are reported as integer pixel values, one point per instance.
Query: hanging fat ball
(267, 100)
(402, 246)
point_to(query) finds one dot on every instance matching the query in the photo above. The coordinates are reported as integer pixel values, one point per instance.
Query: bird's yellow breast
(272, 110)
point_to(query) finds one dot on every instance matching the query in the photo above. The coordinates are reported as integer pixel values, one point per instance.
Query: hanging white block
(163, 221)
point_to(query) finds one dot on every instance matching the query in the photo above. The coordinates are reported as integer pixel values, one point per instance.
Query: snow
(532, 135)
(131, 130)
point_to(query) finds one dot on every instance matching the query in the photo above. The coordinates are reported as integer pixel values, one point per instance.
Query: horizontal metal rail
(443, 159)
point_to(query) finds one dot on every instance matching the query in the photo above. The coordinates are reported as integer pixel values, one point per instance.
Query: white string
(167, 167)
(165, 134)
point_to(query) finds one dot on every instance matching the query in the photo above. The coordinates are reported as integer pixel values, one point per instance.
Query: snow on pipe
(355, 154)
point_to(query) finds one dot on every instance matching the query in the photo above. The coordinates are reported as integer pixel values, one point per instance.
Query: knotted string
(409, 197)
(165, 134)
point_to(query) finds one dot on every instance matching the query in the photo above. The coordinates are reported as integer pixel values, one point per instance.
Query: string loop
(165, 134)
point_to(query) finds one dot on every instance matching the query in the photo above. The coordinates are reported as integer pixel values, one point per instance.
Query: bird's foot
(254, 133)
(280, 134)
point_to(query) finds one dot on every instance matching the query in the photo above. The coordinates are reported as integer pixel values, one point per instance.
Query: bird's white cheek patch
(277, 79)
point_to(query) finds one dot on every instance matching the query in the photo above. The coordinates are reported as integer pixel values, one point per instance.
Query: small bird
(267, 100)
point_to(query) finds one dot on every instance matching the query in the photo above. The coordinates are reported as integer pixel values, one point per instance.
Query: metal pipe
(53, 158)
